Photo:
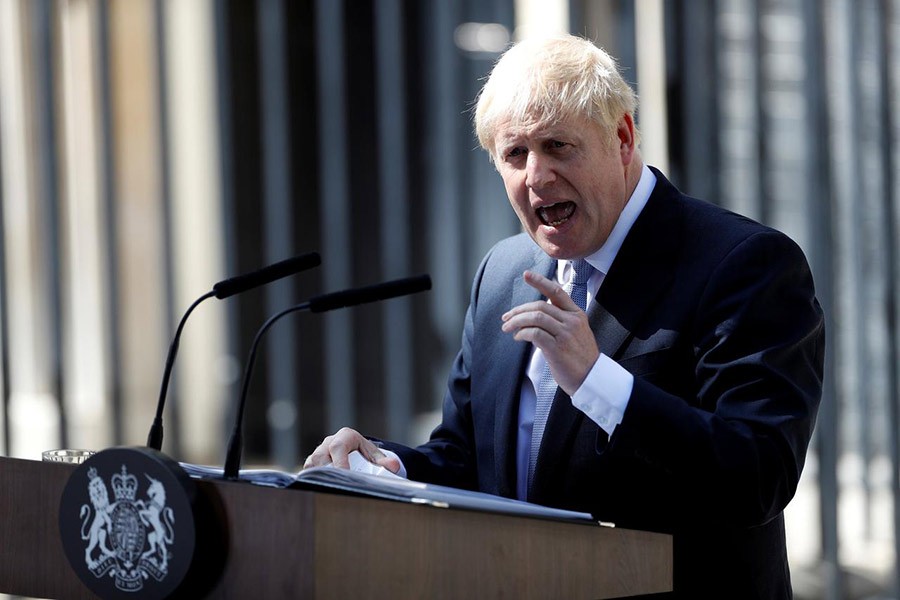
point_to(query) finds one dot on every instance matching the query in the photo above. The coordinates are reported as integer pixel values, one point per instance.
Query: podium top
(304, 544)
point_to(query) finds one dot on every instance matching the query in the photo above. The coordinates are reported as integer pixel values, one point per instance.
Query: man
(688, 389)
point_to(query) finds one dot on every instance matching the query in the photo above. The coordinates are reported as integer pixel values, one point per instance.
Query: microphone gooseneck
(236, 442)
(221, 290)
(323, 303)
(155, 437)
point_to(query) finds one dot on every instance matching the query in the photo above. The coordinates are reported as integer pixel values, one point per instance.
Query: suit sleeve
(737, 449)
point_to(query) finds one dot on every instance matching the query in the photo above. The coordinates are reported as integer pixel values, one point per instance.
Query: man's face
(566, 181)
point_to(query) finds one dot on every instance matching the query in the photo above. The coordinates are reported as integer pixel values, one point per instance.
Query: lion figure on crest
(98, 530)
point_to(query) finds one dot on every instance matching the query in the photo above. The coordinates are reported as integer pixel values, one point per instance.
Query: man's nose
(538, 171)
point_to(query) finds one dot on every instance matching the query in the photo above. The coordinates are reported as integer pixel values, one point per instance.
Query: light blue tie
(546, 387)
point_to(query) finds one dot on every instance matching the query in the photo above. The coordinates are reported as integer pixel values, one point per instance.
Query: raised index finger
(552, 290)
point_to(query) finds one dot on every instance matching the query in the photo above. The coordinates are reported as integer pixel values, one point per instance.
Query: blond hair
(548, 80)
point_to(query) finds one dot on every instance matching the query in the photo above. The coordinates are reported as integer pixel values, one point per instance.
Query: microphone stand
(323, 303)
(155, 437)
(236, 442)
(222, 290)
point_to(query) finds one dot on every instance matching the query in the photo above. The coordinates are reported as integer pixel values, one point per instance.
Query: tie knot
(582, 269)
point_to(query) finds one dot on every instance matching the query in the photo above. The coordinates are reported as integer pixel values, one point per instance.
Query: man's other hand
(336, 448)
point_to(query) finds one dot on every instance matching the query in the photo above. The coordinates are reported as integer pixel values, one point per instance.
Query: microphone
(317, 304)
(273, 272)
(221, 290)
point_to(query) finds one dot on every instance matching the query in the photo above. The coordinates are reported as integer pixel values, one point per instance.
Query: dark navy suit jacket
(716, 317)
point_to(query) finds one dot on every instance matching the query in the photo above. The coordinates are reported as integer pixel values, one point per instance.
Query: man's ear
(625, 134)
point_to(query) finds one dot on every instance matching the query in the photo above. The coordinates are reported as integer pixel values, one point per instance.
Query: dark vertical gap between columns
(44, 47)
(173, 423)
(820, 183)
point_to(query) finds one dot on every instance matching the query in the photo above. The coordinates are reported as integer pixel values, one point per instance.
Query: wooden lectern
(286, 543)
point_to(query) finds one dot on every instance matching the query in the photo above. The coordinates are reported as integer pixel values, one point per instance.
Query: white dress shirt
(603, 395)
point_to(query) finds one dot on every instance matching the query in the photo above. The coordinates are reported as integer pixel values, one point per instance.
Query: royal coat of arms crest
(127, 539)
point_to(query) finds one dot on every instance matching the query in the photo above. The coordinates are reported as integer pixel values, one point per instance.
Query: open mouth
(556, 214)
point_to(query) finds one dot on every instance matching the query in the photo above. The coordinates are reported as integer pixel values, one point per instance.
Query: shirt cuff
(604, 393)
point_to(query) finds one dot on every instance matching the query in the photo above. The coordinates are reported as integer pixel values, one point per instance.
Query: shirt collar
(603, 258)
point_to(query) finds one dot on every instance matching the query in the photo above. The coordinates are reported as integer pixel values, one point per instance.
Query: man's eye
(515, 152)
(557, 144)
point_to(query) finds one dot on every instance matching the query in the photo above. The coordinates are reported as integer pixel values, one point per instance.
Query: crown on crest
(124, 485)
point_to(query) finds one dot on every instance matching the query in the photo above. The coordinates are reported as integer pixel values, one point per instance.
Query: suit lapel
(643, 269)
(512, 362)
